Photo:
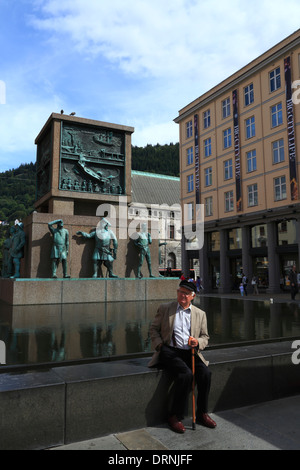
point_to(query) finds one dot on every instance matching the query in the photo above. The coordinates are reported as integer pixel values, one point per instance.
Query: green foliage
(159, 159)
(17, 193)
(17, 196)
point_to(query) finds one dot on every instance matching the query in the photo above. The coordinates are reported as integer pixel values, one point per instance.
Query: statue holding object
(102, 252)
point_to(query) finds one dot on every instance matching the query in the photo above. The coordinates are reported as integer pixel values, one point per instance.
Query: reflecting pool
(56, 333)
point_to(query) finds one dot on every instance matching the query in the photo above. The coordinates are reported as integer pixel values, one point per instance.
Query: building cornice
(292, 211)
(246, 72)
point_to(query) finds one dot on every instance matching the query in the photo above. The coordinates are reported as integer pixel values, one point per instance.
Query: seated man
(176, 326)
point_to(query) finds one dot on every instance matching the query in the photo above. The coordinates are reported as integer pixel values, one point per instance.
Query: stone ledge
(71, 291)
(71, 403)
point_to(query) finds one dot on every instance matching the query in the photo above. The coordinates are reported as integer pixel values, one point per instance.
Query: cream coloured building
(156, 200)
(240, 157)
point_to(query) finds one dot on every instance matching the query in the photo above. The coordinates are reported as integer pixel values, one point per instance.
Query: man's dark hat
(188, 285)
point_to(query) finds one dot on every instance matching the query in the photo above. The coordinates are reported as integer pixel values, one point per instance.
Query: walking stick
(193, 389)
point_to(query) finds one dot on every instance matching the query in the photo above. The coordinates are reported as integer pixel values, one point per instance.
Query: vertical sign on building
(291, 129)
(237, 151)
(197, 165)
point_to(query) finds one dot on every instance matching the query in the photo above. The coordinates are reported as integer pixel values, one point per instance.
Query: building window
(226, 108)
(248, 94)
(251, 161)
(208, 176)
(250, 127)
(190, 181)
(287, 232)
(229, 201)
(206, 119)
(190, 156)
(189, 129)
(171, 232)
(276, 115)
(190, 211)
(214, 241)
(208, 206)
(252, 195)
(207, 147)
(280, 188)
(228, 169)
(227, 138)
(258, 236)
(275, 81)
(235, 238)
(278, 151)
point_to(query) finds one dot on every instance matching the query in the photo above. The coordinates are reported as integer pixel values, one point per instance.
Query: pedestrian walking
(241, 289)
(293, 278)
(254, 285)
(245, 282)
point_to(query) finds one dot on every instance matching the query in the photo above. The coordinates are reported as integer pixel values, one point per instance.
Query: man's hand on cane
(193, 342)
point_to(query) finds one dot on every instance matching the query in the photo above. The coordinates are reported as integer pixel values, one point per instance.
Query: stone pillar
(225, 284)
(246, 258)
(204, 266)
(185, 262)
(273, 259)
(298, 238)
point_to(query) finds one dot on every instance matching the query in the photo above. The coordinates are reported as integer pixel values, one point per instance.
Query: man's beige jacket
(161, 329)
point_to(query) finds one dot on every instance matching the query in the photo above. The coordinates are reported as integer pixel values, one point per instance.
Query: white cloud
(26, 109)
(171, 38)
(19, 128)
(131, 62)
(155, 133)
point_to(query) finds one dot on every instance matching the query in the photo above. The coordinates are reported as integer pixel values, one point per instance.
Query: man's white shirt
(182, 328)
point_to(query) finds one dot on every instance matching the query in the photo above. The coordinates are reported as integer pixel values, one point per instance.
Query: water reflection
(234, 320)
(51, 333)
(55, 333)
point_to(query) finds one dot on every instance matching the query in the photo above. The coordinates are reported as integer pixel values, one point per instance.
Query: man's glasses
(186, 294)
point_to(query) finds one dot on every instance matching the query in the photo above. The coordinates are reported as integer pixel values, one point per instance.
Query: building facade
(156, 200)
(240, 157)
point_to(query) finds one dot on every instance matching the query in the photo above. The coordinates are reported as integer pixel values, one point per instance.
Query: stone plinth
(72, 291)
(81, 162)
(83, 175)
(37, 262)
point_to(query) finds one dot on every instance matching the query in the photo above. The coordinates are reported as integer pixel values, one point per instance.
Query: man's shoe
(176, 425)
(206, 421)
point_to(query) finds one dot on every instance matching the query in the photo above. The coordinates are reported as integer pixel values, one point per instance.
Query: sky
(129, 62)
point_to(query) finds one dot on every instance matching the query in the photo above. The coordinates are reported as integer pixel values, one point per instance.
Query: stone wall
(61, 405)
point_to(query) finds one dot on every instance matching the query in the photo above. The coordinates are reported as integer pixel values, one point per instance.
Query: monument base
(71, 291)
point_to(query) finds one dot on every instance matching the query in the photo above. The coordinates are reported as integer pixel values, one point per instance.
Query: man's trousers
(178, 362)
